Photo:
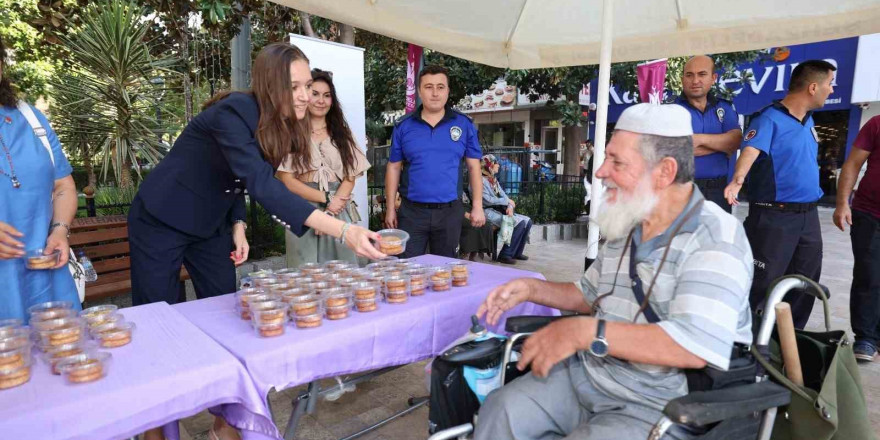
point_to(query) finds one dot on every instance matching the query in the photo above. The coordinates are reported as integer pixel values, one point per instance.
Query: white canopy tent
(526, 34)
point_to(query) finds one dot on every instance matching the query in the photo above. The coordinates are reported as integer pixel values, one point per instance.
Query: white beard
(616, 219)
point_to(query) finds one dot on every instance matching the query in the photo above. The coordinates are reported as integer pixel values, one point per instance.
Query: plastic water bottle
(341, 388)
(91, 275)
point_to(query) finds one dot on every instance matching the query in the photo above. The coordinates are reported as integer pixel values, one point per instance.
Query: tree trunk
(574, 135)
(125, 178)
(187, 85)
(89, 166)
(346, 34)
(306, 20)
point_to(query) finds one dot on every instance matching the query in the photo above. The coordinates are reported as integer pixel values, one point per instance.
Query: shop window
(508, 134)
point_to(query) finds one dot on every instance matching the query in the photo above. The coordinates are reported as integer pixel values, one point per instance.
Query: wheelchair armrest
(826, 290)
(527, 323)
(704, 407)
(453, 433)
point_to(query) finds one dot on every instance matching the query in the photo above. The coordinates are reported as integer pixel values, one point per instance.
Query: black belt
(715, 182)
(430, 205)
(786, 206)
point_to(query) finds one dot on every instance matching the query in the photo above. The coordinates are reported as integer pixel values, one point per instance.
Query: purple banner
(413, 61)
(652, 81)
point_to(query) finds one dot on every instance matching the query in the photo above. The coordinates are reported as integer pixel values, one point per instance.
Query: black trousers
(784, 243)
(864, 299)
(158, 251)
(713, 191)
(438, 227)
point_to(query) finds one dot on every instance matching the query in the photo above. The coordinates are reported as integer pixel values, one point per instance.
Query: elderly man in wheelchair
(663, 311)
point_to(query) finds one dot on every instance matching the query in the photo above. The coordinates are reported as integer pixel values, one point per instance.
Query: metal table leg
(302, 404)
(305, 403)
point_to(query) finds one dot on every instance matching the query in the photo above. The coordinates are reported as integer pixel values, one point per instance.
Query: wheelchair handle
(508, 349)
(777, 291)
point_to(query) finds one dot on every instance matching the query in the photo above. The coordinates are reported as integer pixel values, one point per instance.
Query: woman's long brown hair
(278, 131)
(8, 94)
(337, 126)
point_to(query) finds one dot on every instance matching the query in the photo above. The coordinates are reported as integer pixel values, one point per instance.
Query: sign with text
(769, 77)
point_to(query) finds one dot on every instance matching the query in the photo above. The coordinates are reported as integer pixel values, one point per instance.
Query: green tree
(384, 73)
(114, 69)
(193, 29)
(33, 59)
(77, 123)
(172, 19)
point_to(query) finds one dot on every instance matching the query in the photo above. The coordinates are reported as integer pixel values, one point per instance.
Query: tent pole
(601, 123)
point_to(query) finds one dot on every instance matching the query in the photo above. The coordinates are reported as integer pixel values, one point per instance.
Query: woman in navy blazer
(191, 209)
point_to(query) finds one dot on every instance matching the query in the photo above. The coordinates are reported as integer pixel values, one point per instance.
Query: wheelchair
(736, 413)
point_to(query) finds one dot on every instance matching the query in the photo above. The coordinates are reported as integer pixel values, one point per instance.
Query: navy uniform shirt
(787, 169)
(719, 117)
(432, 156)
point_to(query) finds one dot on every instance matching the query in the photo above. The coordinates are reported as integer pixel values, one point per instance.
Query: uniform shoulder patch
(750, 135)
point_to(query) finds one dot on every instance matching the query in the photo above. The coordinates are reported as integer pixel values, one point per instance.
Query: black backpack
(452, 402)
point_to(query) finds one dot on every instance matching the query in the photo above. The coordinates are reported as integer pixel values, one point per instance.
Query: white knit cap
(669, 120)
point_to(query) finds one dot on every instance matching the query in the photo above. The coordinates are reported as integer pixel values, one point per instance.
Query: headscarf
(488, 162)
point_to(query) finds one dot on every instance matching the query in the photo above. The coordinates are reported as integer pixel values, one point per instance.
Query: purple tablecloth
(395, 334)
(170, 370)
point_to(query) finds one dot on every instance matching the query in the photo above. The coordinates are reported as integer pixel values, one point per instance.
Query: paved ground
(558, 261)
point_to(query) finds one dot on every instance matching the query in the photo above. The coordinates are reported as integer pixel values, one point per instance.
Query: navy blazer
(198, 187)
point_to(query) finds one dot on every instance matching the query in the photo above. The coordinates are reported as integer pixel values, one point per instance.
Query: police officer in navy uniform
(191, 209)
(779, 155)
(425, 166)
(716, 128)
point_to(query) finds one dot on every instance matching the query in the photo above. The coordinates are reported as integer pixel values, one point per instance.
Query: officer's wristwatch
(599, 346)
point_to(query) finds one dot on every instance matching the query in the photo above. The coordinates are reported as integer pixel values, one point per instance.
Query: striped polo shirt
(701, 297)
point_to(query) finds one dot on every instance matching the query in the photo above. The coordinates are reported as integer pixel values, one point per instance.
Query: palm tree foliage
(113, 76)
(76, 122)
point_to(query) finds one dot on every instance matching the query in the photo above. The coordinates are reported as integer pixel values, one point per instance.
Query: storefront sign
(770, 77)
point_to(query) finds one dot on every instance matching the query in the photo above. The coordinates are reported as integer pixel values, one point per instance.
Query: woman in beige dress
(326, 176)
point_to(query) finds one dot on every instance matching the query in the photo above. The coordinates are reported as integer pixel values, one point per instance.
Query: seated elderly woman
(496, 205)
(474, 240)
